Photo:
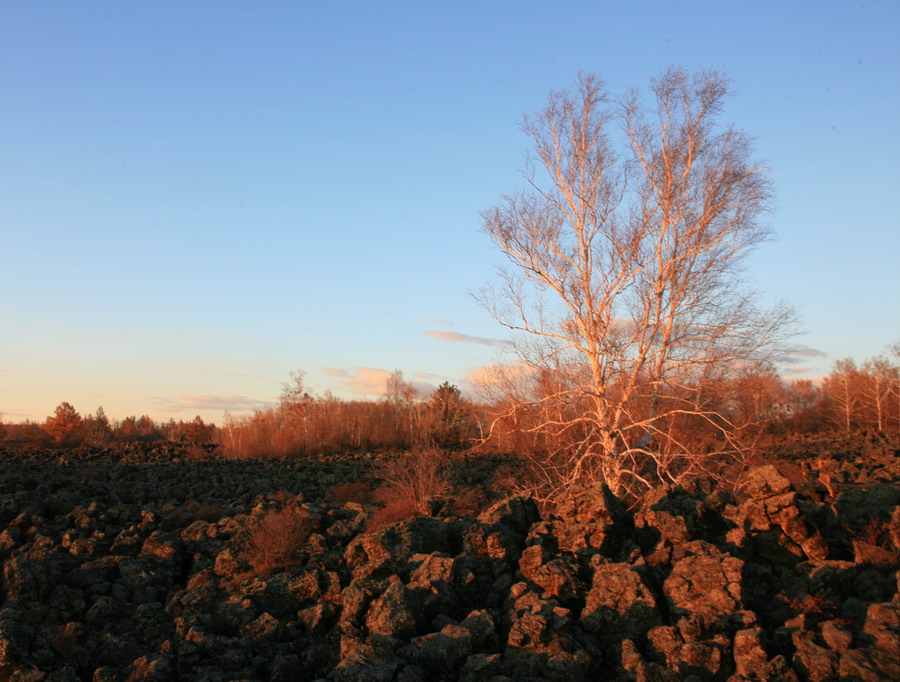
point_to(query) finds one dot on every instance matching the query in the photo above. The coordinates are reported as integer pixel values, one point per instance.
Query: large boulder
(400, 541)
(704, 582)
(619, 603)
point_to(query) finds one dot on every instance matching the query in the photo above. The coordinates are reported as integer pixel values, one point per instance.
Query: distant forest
(761, 405)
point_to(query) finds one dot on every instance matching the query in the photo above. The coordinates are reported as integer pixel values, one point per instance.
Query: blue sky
(198, 197)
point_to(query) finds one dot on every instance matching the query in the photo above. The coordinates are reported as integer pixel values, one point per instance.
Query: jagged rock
(432, 584)
(811, 661)
(551, 572)
(672, 513)
(517, 513)
(869, 553)
(226, 563)
(355, 599)
(152, 668)
(30, 580)
(147, 579)
(870, 664)
(592, 503)
(391, 614)
(707, 585)
(285, 668)
(750, 658)
(632, 665)
(399, 541)
(289, 591)
(261, 628)
(15, 637)
(442, 653)
(688, 657)
(538, 643)
(366, 661)
(619, 604)
(316, 618)
(162, 546)
(481, 667)
(765, 481)
(498, 546)
(104, 611)
(883, 625)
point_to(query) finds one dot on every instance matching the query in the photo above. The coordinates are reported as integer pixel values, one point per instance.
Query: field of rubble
(148, 562)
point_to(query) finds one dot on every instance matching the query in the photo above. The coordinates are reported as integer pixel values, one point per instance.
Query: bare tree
(894, 352)
(401, 396)
(879, 380)
(625, 280)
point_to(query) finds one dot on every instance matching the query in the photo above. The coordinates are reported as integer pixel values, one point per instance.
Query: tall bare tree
(625, 254)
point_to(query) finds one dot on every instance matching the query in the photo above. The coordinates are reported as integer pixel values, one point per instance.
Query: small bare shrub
(200, 511)
(396, 509)
(357, 491)
(467, 502)
(414, 477)
(875, 543)
(274, 539)
(817, 606)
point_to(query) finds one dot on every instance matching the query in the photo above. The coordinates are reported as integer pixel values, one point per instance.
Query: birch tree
(624, 274)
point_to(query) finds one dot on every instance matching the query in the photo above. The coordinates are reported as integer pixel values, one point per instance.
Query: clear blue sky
(198, 197)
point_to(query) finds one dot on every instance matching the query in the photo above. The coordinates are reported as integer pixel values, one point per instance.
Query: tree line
(761, 406)
(66, 427)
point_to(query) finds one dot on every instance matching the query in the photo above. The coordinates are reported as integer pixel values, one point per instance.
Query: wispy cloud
(8, 413)
(193, 403)
(437, 320)
(807, 352)
(360, 380)
(456, 337)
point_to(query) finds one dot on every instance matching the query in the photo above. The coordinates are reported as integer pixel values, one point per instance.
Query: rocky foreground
(133, 564)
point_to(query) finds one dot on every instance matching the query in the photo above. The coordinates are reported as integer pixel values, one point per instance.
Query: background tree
(843, 390)
(97, 429)
(401, 396)
(446, 417)
(625, 281)
(64, 425)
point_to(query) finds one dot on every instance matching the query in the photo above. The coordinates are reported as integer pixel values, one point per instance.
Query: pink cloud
(193, 403)
(368, 381)
(456, 337)
(359, 380)
(807, 352)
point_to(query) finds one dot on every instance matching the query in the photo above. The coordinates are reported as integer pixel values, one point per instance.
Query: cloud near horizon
(192, 403)
(807, 352)
(359, 380)
(456, 337)
(368, 381)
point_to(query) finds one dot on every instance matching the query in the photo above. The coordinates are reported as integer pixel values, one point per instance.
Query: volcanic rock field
(132, 563)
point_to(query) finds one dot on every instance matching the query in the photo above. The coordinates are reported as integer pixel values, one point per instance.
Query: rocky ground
(133, 564)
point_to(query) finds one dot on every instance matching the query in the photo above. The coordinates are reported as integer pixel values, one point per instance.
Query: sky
(197, 198)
